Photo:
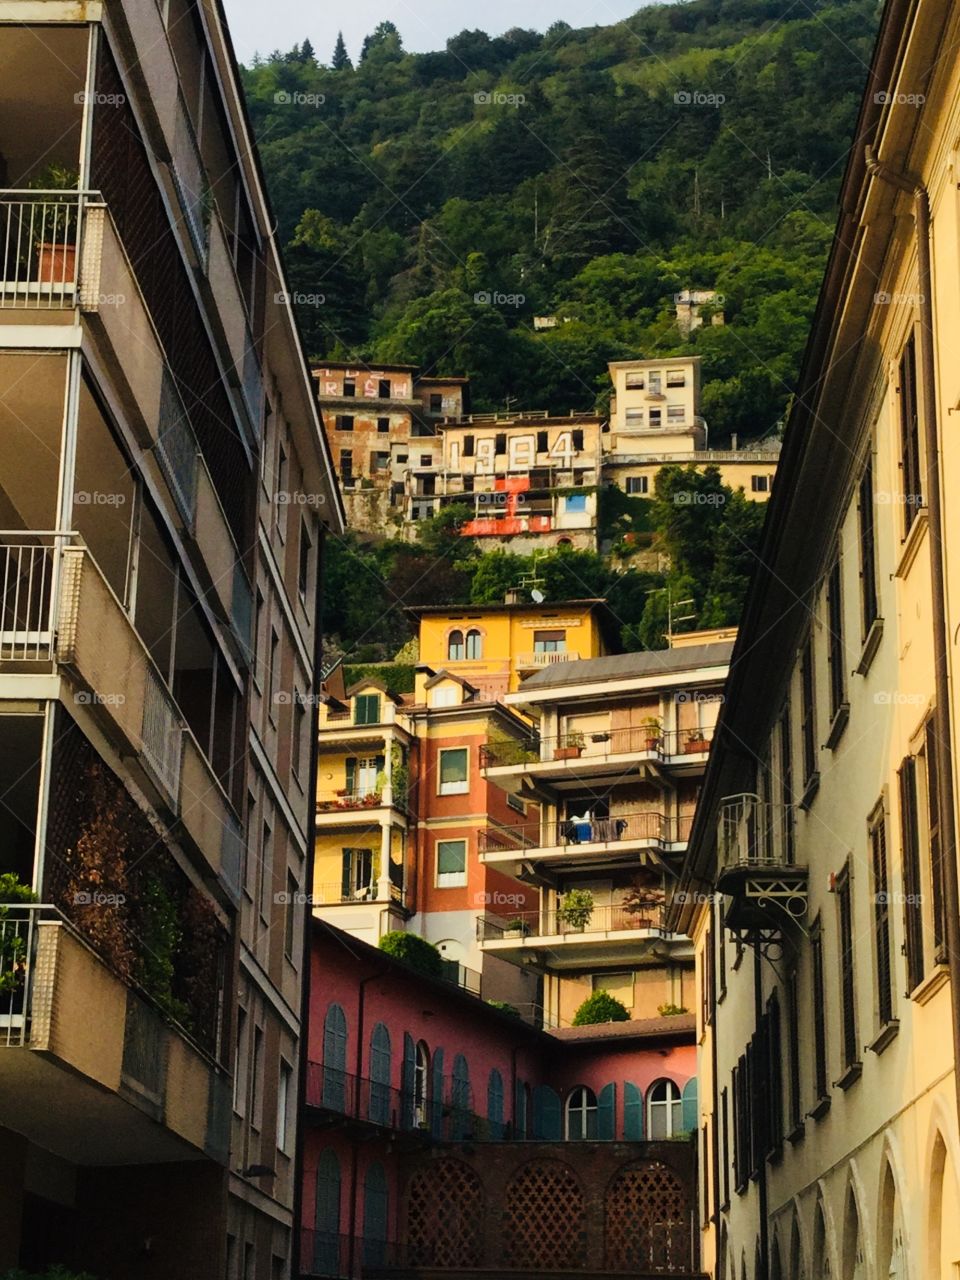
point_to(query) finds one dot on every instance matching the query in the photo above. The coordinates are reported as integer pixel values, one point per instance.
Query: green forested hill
(592, 173)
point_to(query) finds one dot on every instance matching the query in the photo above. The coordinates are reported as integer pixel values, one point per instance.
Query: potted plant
(642, 903)
(654, 731)
(695, 742)
(576, 908)
(13, 948)
(516, 928)
(569, 747)
(54, 238)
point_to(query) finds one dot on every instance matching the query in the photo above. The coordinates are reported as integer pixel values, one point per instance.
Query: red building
(443, 1133)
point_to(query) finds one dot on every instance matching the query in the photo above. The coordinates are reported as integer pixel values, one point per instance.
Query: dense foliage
(584, 174)
(414, 951)
(600, 1007)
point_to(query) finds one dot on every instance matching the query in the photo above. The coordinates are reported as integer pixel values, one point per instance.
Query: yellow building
(820, 886)
(494, 646)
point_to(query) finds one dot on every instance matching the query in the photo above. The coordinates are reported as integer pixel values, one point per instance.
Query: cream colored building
(165, 493)
(820, 887)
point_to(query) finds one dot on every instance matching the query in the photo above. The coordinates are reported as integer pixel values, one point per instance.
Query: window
(375, 1207)
(402, 458)
(868, 551)
(305, 561)
(771, 1082)
(455, 647)
(835, 658)
(240, 1065)
(453, 771)
(326, 1222)
(786, 781)
(460, 1096)
(346, 464)
(676, 378)
(290, 916)
(664, 1111)
(725, 1145)
(634, 381)
(383, 389)
(654, 382)
(808, 724)
(266, 870)
(383, 426)
(436, 402)
(619, 985)
(656, 417)
(500, 443)
(445, 696)
(334, 1058)
(794, 1097)
(581, 1115)
(256, 1082)
(363, 775)
(575, 503)
(549, 641)
(637, 485)
(356, 875)
(577, 438)
(380, 1059)
(495, 1104)
(909, 437)
(421, 1084)
(819, 1013)
(349, 388)
(848, 989)
(912, 890)
(344, 421)
(379, 461)
(468, 446)
(634, 417)
(676, 413)
(706, 980)
(881, 915)
(366, 708)
(474, 644)
(283, 1104)
(451, 863)
(543, 441)
(759, 484)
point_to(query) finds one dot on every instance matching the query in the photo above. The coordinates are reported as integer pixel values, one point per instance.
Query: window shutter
(519, 1111)
(346, 866)
(408, 1078)
(912, 908)
(437, 1093)
(351, 774)
(495, 1104)
(375, 1217)
(689, 1106)
(379, 1108)
(607, 1113)
(326, 1241)
(632, 1112)
(334, 1058)
(547, 1114)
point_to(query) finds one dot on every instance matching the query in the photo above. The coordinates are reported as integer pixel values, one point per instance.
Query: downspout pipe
(942, 715)
(762, 1162)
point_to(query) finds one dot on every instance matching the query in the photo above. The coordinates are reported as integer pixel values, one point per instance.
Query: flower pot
(695, 745)
(567, 753)
(56, 263)
(652, 744)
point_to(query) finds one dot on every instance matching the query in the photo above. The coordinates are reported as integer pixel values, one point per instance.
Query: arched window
(460, 1096)
(581, 1114)
(474, 644)
(379, 1108)
(334, 1058)
(853, 1264)
(421, 1085)
(375, 1217)
(455, 646)
(495, 1104)
(664, 1111)
(326, 1216)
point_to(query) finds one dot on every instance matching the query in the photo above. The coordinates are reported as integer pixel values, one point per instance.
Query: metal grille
(544, 1224)
(647, 1221)
(445, 1216)
(162, 735)
(26, 582)
(39, 233)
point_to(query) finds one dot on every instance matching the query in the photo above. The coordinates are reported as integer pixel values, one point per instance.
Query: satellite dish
(538, 597)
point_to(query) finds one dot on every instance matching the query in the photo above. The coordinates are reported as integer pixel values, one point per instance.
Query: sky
(424, 25)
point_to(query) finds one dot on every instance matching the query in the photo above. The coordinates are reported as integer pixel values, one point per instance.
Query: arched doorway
(854, 1267)
(891, 1255)
(943, 1237)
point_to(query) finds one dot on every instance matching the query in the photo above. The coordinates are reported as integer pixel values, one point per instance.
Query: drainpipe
(762, 1162)
(307, 940)
(941, 718)
(716, 939)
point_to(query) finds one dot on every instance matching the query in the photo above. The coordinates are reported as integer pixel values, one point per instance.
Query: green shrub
(505, 1007)
(414, 951)
(671, 1010)
(56, 1272)
(12, 889)
(600, 1007)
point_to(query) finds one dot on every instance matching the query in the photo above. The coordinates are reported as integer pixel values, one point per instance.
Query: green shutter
(495, 1104)
(632, 1113)
(408, 1078)
(520, 1111)
(547, 1114)
(689, 1108)
(326, 1240)
(346, 867)
(351, 774)
(437, 1100)
(375, 1217)
(379, 1107)
(334, 1058)
(607, 1113)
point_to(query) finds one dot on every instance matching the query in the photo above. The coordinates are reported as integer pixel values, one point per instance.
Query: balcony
(39, 247)
(611, 934)
(573, 756)
(342, 805)
(538, 661)
(130, 1086)
(755, 864)
(622, 837)
(338, 1094)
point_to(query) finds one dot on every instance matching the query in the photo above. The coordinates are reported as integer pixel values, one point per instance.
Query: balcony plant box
(654, 731)
(517, 929)
(569, 748)
(695, 743)
(55, 236)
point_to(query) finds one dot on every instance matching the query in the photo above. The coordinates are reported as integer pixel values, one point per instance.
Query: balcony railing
(754, 834)
(363, 798)
(39, 248)
(326, 895)
(18, 937)
(449, 1117)
(28, 581)
(537, 661)
(555, 923)
(569, 833)
(595, 744)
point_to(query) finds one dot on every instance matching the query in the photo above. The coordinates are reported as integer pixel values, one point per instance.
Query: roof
(680, 1024)
(368, 682)
(444, 674)
(618, 666)
(361, 366)
(469, 610)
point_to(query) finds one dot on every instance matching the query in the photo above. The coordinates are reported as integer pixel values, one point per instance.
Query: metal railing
(618, 828)
(449, 1117)
(162, 734)
(754, 833)
(550, 659)
(39, 243)
(362, 798)
(668, 744)
(18, 944)
(28, 591)
(556, 923)
(326, 895)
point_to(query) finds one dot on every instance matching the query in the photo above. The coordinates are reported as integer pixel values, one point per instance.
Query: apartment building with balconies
(165, 487)
(614, 758)
(820, 887)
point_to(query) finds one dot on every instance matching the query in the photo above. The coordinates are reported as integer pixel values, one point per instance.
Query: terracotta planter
(695, 745)
(567, 753)
(652, 744)
(56, 263)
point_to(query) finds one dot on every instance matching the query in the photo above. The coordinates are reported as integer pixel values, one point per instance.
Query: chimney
(733, 440)
(512, 596)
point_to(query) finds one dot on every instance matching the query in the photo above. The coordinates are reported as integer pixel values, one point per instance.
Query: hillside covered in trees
(583, 174)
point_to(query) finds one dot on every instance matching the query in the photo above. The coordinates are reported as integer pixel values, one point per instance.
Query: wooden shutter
(632, 1112)
(437, 1108)
(408, 1079)
(912, 906)
(334, 1058)
(495, 1104)
(607, 1113)
(375, 1217)
(881, 919)
(326, 1241)
(547, 1114)
(689, 1106)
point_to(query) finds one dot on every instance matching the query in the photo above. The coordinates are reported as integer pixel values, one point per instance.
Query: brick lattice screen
(544, 1221)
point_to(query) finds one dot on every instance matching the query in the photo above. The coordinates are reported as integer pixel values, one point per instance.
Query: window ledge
(797, 1134)
(871, 644)
(810, 790)
(850, 1076)
(911, 543)
(885, 1035)
(837, 726)
(938, 977)
(820, 1109)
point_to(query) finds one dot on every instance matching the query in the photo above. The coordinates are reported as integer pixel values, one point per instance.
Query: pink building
(427, 1110)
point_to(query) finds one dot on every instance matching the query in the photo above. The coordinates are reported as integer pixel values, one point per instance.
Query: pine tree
(341, 59)
(306, 52)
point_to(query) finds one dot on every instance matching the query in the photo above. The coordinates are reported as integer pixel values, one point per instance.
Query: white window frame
(460, 787)
(579, 1105)
(451, 879)
(671, 1106)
